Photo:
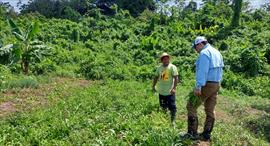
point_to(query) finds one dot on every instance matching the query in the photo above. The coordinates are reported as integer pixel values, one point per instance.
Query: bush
(5, 75)
(232, 81)
(223, 46)
(251, 61)
(45, 66)
(267, 55)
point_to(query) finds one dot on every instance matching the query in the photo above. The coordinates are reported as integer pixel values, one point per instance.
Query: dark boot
(193, 126)
(173, 115)
(208, 127)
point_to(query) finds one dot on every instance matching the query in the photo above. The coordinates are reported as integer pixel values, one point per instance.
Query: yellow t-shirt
(166, 80)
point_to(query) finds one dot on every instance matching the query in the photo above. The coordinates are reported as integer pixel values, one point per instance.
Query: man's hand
(197, 92)
(172, 91)
(154, 84)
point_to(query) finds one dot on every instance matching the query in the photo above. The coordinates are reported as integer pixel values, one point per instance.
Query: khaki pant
(209, 98)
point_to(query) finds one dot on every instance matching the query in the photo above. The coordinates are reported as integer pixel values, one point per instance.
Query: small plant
(195, 100)
(27, 82)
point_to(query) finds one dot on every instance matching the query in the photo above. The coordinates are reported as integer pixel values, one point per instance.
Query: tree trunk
(237, 12)
(25, 67)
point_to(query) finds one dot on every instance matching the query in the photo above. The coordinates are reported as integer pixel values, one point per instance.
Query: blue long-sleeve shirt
(209, 66)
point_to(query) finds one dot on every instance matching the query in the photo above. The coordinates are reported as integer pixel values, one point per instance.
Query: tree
(44, 7)
(191, 6)
(237, 12)
(215, 2)
(27, 48)
(266, 7)
(135, 7)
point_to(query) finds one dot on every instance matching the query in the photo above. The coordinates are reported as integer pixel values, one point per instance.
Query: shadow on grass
(260, 126)
(185, 140)
(265, 107)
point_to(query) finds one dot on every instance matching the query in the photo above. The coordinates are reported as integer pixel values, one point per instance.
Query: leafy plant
(194, 100)
(252, 61)
(27, 48)
(5, 53)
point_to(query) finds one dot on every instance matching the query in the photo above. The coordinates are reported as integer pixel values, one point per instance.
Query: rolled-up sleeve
(202, 69)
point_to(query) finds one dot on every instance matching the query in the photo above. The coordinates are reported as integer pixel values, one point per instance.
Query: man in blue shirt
(209, 70)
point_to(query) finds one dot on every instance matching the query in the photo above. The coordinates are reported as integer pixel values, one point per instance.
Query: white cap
(198, 40)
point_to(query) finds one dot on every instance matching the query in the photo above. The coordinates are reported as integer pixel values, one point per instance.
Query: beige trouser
(209, 98)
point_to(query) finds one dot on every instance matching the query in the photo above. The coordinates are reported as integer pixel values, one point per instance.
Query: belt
(213, 82)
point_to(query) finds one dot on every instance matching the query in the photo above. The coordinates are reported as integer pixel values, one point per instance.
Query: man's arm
(201, 74)
(154, 83)
(175, 81)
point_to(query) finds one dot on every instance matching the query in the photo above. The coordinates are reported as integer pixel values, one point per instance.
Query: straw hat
(164, 55)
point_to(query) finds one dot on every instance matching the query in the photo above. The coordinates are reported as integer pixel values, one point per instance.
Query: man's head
(199, 43)
(165, 59)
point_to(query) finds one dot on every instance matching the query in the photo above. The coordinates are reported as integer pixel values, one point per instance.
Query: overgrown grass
(116, 113)
(21, 82)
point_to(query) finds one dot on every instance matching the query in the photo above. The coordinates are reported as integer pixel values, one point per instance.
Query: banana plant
(27, 49)
(5, 53)
(5, 49)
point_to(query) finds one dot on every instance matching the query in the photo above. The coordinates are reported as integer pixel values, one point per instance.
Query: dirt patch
(29, 98)
(201, 143)
(7, 107)
(227, 112)
(223, 116)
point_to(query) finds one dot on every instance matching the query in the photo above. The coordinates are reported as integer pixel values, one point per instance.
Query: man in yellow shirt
(167, 78)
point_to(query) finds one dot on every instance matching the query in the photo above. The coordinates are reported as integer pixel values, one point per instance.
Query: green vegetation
(121, 52)
(127, 113)
(26, 49)
(237, 12)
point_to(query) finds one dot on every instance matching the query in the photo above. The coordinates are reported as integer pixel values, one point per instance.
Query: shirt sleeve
(202, 71)
(175, 71)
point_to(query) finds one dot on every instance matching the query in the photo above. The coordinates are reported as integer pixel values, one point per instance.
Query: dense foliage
(74, 9)
(123, 47)
(65, 42)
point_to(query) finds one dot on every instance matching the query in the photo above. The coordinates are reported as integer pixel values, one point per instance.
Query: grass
(127, 113)
(22, 82)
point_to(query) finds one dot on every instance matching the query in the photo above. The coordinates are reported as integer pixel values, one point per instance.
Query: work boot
(208, 127)
(206, 136)
(193, 127)
(190, 136)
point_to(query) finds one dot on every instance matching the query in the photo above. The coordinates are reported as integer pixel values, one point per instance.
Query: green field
(122, 113)
(76, 73)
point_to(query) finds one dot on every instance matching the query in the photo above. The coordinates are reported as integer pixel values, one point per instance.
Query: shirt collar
(207, 45)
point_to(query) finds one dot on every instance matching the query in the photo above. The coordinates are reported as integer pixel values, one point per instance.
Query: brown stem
(25, 67)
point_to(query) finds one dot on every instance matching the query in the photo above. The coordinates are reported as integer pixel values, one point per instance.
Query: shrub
(252, 61)
(232, 81)
(45, 66)
(5, 75)
(267, 55)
